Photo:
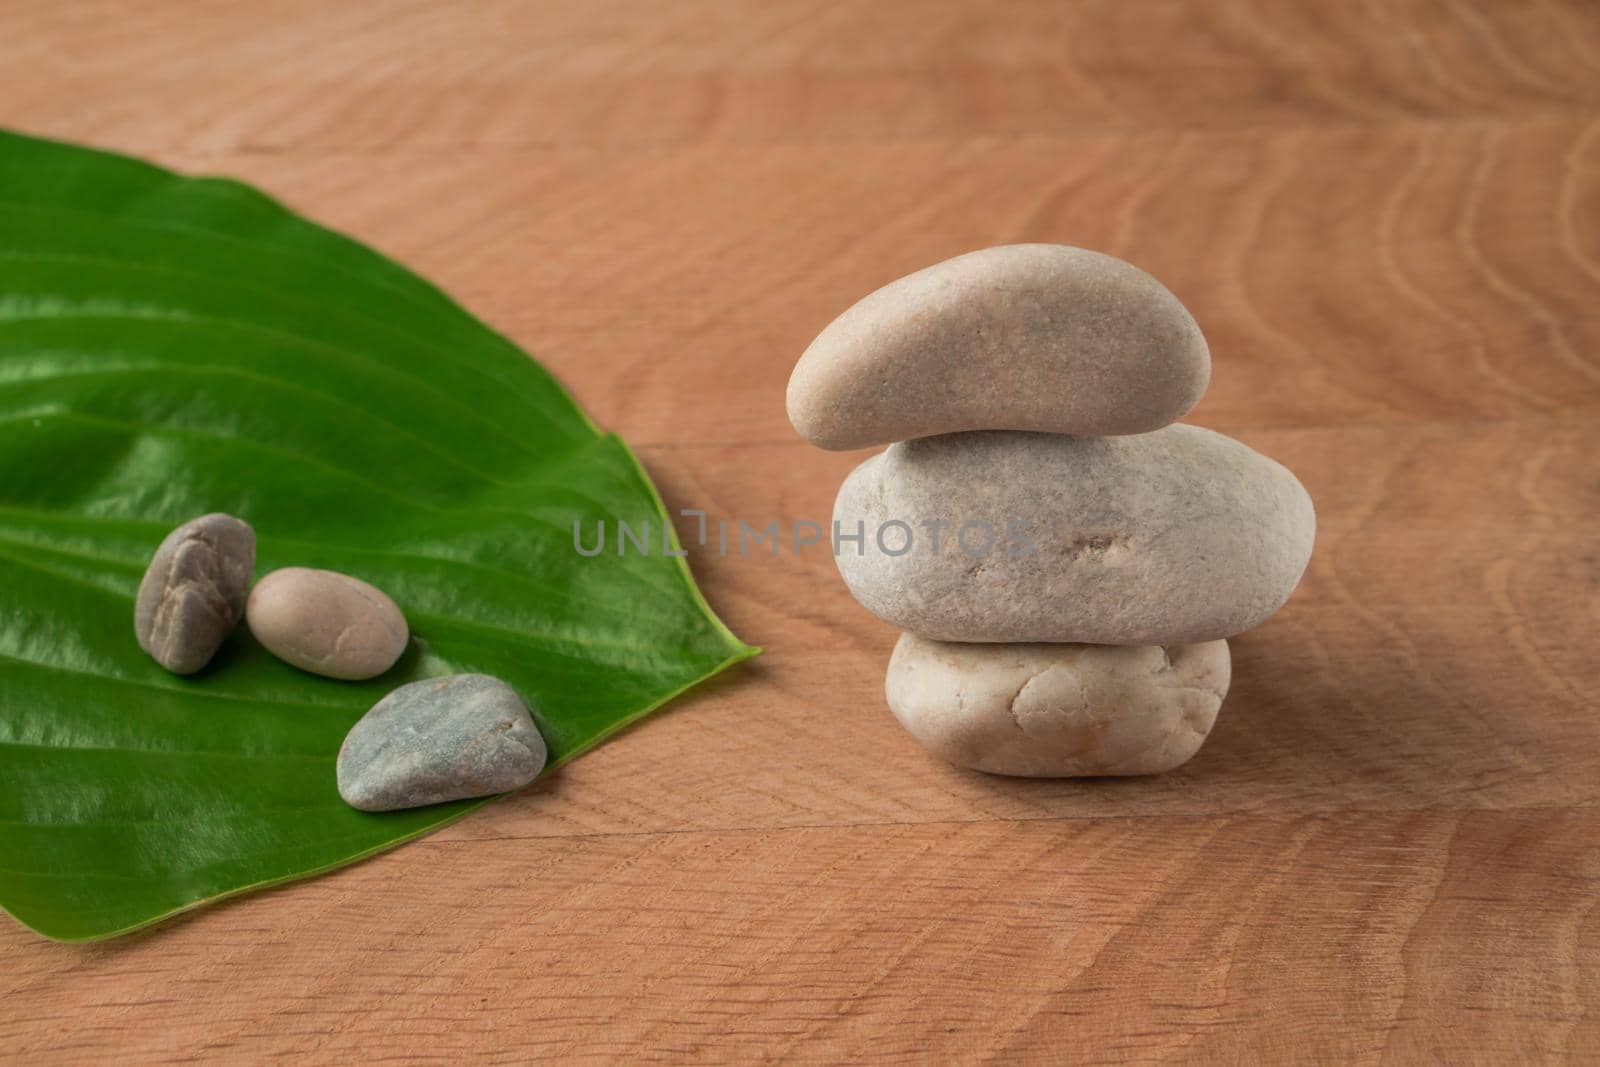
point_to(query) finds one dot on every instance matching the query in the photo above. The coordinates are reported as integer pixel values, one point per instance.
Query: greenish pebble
(465, 735)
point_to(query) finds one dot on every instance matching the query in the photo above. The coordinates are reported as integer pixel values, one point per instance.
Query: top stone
(1036, 337)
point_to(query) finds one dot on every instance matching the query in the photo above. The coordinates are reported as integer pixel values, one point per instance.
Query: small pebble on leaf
(466, 735)
(327, 623)
(194, 591)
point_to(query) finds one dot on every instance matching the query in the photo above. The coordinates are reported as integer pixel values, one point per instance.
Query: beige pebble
(1037, 337)
(1058, 711)
(1170, 537)
(327, 623)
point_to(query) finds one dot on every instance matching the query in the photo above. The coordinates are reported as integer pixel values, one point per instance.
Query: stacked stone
(1065, 559)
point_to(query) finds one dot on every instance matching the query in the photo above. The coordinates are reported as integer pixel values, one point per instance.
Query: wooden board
(1385, 215)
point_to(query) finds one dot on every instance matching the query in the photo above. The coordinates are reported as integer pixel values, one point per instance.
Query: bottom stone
(1058, 711)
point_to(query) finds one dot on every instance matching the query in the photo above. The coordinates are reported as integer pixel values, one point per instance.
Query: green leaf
(171, 346)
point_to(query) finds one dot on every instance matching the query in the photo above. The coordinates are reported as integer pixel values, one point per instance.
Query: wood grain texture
(1386, 217)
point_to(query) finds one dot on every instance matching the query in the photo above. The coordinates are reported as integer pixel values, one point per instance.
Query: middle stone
(1177, 536)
